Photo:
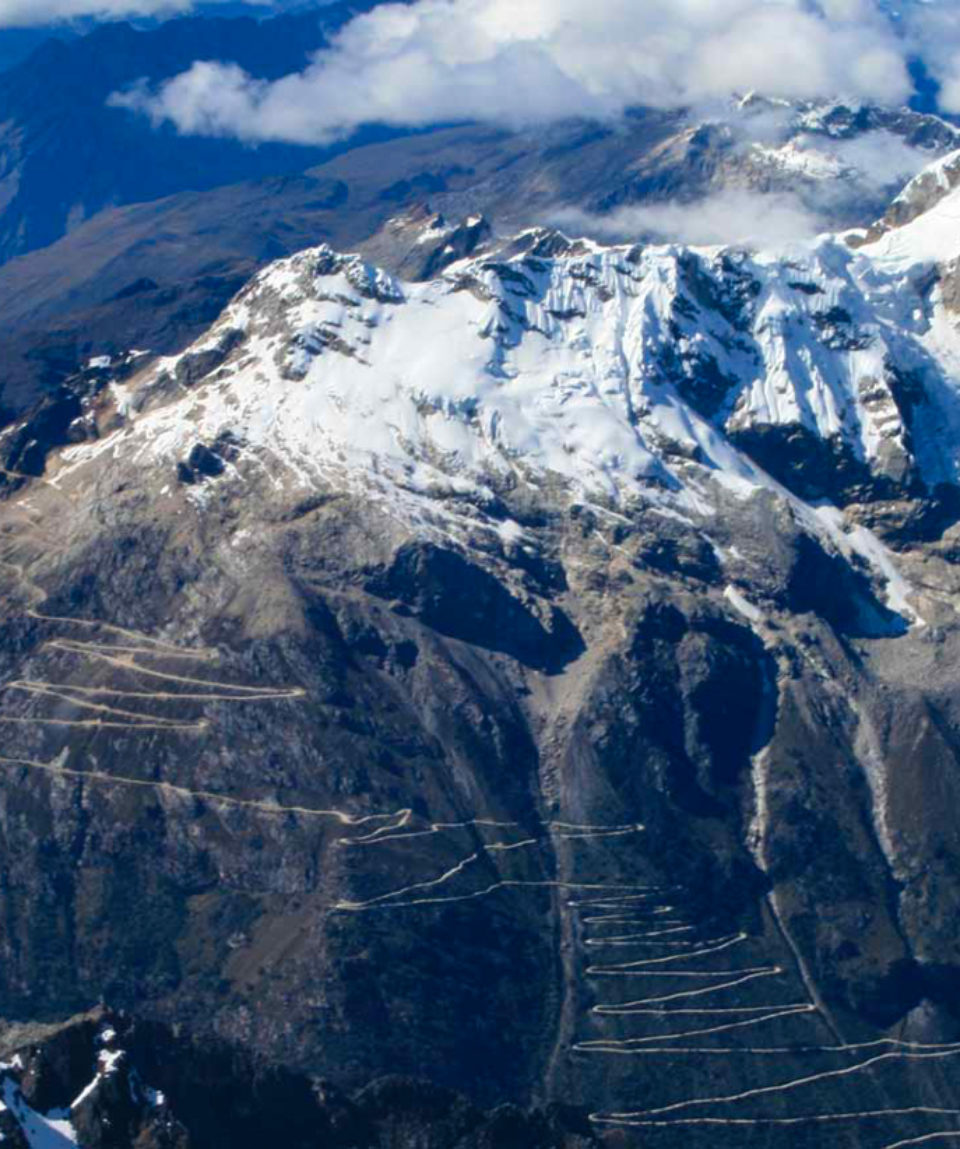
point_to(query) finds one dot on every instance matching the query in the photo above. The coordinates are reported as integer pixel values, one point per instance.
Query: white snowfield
(613, 375)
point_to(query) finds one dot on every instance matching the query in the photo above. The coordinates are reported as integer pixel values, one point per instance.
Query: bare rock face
(536, 687)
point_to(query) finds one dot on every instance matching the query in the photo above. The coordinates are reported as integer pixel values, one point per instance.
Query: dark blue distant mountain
(65, 155)
(16, 44)
(927, 90)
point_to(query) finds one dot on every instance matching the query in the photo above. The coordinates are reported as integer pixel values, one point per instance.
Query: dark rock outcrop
(124, 1084)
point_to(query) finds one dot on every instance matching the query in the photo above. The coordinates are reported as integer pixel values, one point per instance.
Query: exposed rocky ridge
(437, 679)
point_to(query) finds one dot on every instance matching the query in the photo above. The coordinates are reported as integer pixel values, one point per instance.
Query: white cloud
(34, 13)
(950, 93)
(733, 216)
(25, 13)
(879, 159)
(522, 63)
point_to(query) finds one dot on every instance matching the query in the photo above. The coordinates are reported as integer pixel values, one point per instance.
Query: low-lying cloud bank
(734, 216)
(521, 64)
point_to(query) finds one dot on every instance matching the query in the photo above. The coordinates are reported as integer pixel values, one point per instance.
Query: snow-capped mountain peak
(574, 364)
(575, 373)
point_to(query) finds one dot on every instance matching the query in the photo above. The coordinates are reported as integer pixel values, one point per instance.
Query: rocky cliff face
(539, 681)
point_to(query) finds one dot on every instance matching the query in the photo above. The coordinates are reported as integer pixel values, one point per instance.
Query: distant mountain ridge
(65, 154)
(16, 44)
